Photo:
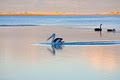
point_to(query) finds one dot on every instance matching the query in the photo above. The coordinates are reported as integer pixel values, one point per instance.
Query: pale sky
(83, 6)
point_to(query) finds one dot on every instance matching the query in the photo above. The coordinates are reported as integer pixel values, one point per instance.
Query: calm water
(108, 21)
(21, 59)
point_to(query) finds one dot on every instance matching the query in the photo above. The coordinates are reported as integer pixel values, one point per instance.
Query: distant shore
(57, 13)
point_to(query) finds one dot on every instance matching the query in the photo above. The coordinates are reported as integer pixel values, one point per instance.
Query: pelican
(55, 41)
(98, 29)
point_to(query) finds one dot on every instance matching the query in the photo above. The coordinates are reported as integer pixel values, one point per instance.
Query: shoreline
(57, 13)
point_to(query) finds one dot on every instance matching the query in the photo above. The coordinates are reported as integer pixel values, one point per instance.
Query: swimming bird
(111, 30)
(55, 41)
(98, 29)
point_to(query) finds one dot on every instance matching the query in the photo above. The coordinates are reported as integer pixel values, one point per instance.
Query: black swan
(98, 29)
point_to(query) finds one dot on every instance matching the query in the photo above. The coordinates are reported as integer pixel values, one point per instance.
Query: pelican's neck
(53, 38)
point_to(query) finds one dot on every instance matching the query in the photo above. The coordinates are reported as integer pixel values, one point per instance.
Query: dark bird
(111, 30)
(98, 29)
(55, 41)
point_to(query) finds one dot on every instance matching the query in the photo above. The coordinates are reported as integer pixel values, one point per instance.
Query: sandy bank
(57, 13)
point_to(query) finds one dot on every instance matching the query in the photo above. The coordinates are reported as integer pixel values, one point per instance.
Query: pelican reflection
(54, 48)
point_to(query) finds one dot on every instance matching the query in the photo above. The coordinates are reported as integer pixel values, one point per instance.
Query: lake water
(22, 59)
(84, 21)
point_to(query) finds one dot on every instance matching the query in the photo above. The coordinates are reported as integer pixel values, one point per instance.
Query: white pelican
(55, 41)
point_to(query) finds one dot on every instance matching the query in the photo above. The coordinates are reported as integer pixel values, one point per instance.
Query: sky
(81, 6)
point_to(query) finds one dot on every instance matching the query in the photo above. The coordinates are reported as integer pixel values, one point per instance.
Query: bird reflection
(54, 48)
(100, 33)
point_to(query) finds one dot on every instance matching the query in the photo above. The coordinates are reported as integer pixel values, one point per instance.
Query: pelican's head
(52, 36)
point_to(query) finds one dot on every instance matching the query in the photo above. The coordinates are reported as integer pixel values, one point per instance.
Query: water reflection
(20, 58)
(104, 57)
(87, 43)
(54, 48)
(100, 33)
(82, 43)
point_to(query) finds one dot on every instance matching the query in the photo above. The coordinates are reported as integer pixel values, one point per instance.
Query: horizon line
(58, 13)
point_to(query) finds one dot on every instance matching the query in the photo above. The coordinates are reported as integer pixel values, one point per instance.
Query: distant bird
(55, 41)
(98, 29)
(111, 30)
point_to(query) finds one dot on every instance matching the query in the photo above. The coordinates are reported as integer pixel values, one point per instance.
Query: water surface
(79, 21)
(21, 60)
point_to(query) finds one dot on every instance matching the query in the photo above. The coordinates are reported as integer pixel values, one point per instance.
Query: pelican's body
(55, 41)
(99, 29)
